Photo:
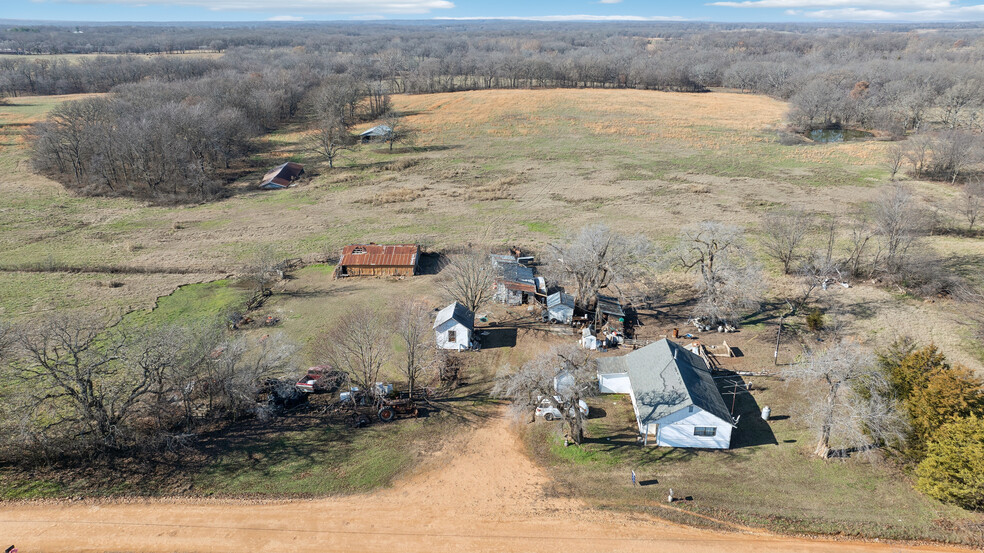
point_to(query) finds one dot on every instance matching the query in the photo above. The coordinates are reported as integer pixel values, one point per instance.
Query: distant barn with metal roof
(379, 132)
(379, 260)
(282, 176)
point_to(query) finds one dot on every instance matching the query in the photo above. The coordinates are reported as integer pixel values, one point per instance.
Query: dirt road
(479, 495)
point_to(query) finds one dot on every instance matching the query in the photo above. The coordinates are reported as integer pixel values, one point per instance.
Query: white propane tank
(766, 411)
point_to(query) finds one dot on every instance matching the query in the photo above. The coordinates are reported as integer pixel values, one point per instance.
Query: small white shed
(676, 402)
(453, 327)
(560, 308)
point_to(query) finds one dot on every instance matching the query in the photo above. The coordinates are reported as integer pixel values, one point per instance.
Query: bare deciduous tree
(236, 369)
(413, 326)
(783, 234)
(331, 137)
(861, 235)
(846, 402)
(358, 345)
(400, 131)
(571, 368)
(970, 202)
(469, 279)
(74, 373)
(597, 257)
(896, 157)
(898, 222)
(262, 270)
(728, 284)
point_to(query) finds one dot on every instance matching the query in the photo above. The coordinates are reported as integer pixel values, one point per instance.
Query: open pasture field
(507, 167)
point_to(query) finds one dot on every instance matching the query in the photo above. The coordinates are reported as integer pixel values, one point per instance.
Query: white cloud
(869, 10)
(610, 1)
(964, 13)
(579, 17)
(845, 4)
(285, 18)
(297, 6)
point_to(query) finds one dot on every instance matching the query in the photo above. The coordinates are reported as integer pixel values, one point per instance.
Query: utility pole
(775, 356)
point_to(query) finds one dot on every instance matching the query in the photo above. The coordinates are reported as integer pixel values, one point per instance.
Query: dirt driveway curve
(484, 495)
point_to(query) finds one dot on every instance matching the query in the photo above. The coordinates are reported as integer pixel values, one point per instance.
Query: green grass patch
(315, 461)
(542, 227)
(31, 489)
(191, 304)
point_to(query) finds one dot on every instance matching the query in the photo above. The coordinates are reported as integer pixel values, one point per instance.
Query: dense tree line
(166, 140)
(96, 74)
(74, 386)
(173, 123)
(888, 75)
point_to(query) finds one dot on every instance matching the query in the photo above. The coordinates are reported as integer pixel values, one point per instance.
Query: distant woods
(174, 124)
(166, 140)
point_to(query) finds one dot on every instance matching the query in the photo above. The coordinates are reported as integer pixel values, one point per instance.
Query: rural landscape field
(160, 309)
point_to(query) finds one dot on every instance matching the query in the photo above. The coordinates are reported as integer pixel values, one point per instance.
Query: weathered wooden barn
(515, 283)
(379, 260)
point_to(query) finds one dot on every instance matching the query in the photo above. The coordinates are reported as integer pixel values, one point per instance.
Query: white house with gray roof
(453, 327)
(676, 402)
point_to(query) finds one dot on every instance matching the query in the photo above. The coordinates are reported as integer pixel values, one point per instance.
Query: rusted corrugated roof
(379, 255)
(283, 175)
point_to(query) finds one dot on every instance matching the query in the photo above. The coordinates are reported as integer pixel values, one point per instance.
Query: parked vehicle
(550, 413)
(321, 380)
(389, 409)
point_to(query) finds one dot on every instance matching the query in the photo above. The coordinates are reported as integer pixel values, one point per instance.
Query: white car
(550, 413)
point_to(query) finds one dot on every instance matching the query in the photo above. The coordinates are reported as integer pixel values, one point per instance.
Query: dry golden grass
(393, 196)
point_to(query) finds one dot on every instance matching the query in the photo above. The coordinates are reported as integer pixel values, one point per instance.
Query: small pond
(824, 136)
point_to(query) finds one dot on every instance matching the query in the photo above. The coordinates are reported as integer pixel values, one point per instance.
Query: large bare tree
(596, 257)
(846, 400)
(899, 223)
(77, 381)
(237, 367)
(469, 279)
(573, 371)
(330, 138)
(413, 326)
(783, 234)
(729, 284)
(970, 202)
(400, 131)
(359, 345)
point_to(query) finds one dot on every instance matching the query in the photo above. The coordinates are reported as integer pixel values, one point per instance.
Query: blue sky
(551, 10)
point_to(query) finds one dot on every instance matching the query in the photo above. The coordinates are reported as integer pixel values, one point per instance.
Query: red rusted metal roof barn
(379, 260)
(282, 176)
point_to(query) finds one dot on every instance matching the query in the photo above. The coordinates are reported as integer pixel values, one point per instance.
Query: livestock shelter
(676, 402)
(282, 176)
(377, 133)
(454, 327)
(560, 308)
(609, 305)
(378, 260)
